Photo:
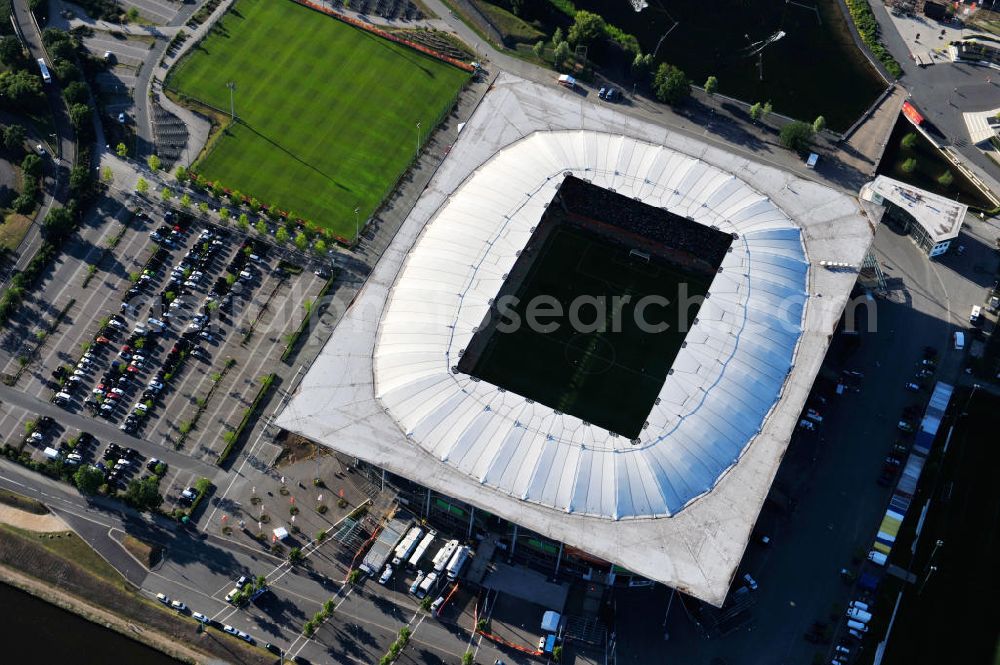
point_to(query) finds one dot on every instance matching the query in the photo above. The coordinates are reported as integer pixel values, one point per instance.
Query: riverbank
(99, 616)
(60, 568)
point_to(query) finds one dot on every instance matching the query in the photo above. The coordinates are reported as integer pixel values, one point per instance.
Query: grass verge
(24, 503)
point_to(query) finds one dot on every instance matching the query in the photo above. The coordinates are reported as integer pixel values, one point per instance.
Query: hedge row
(237, 434)
(864, 21)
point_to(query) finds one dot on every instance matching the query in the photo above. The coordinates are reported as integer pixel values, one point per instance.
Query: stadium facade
(675, 503)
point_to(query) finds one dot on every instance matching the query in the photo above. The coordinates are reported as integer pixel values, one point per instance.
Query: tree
(223, 214)
(79, 180)
(671, 85)
(32, 165)
(561, 54)
(10, 50)
(281, 235)
(107, 175)
(261, 227)
(181, 173)
(587, 26)
(133, 14)
(756, 111)
(243, 221)
(796, 135)
(76, 92)
(557, 37)
(21, 90)
(766, 109)
(909, 165)
(642, 65)
(142, 185)
(301, 241)
(319, 246)
(203, 206)
(819, 124)
(186, 200)
(295, 556)
(539, 49)
(711, 85)
(166, 194)
(945, 179)
(121, 150)
(467, 658)
(13, 136)
(57, 223)
(88, 479)
(154, 162)
(557, 652)
(909, 141)
(79, 115)
(144, 494)
(65, 70)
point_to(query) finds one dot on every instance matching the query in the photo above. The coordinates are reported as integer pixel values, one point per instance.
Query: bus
(457, 562)
(444, 555)
(418, 553)
(405, 547)
(45, 71)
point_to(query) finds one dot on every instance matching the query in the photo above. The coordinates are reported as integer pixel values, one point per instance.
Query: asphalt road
(65, 136)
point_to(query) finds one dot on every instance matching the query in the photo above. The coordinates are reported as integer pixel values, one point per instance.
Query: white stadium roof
(678, 505)
(711, 407)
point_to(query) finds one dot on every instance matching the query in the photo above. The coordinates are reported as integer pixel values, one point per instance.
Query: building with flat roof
(623, 452)
(932, 221)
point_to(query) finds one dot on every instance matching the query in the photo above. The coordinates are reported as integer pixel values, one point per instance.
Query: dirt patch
(24, 503)
(64, 580)
(31, 521)
(296, 448)
(148, 555)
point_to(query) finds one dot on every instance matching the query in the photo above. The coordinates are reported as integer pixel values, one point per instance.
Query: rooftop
(941, 217)
(676, 505)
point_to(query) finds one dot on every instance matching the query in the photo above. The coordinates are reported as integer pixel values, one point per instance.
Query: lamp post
(357, 225)
(232, 102)
(930, 572)
(418, 138)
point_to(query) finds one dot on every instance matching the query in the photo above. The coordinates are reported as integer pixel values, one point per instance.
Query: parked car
(163, 598)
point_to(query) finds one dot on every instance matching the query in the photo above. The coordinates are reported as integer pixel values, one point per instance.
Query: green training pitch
(327, 112)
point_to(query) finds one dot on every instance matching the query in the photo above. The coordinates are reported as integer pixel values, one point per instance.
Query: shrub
(909, 141)
(671, 85)
(945, 179)
(796, 135)
(909, 165)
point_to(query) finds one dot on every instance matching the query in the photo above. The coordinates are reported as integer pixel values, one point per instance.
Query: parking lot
(168, 340)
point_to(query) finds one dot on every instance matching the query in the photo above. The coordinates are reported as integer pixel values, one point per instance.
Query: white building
(932, 221)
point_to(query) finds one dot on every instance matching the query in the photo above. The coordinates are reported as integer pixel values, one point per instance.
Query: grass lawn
(69, 547)
(327, 112)
(12, 230)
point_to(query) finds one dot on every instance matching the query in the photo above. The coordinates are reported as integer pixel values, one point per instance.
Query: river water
(33, 631)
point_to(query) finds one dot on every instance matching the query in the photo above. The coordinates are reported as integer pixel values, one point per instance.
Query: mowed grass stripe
(327, 112)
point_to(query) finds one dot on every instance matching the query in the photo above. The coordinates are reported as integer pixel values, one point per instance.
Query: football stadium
(593, 336)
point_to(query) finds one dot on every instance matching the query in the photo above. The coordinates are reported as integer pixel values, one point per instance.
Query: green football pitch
(327, 113)
(609, 378)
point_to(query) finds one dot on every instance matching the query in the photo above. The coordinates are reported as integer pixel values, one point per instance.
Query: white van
(857, 625)
(959, 338)
(976, 312)
(859, 615)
